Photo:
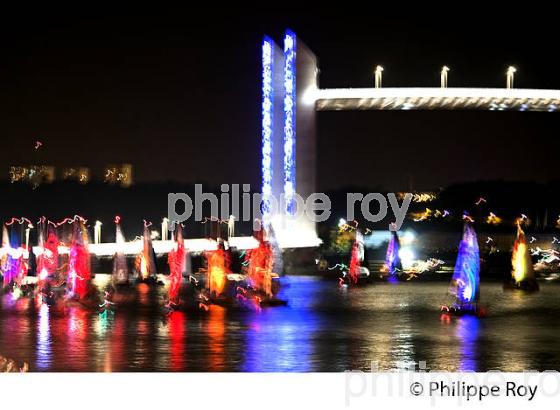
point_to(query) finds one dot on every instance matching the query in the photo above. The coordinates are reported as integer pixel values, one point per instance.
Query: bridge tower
(289, 77)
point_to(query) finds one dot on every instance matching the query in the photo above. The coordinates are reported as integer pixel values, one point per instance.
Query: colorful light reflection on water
(322, 329)
(44, 341)
(467, 333)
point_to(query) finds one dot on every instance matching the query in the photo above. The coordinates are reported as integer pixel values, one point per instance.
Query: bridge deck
(160, 247)
(494, 99)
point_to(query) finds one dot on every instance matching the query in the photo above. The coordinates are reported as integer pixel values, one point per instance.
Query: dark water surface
(324, 328)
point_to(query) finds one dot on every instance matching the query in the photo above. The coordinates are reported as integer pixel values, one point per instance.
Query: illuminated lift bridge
(291, 97)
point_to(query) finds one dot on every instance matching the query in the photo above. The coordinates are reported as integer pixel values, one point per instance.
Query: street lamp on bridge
(27, 231)
(97, 232)
(164, 229)
(509, 76)
(378, 76)
(443, 76)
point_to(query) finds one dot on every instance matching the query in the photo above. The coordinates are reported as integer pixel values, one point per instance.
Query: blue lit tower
(272, 122)
(289, 77)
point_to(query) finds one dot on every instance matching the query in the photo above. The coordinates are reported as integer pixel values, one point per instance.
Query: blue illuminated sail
(392, 260)
(466, 279)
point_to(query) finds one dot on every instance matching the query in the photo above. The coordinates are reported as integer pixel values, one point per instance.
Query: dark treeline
(540, 202)
(99, 201)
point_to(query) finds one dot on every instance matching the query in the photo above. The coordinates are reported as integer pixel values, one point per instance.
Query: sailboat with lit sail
(522, 274)
(145, 265)
(465, 284)
(392, 267)
(356, 273)
(120, 266)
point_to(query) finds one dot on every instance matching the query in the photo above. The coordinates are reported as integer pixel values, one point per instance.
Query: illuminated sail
(356, 258)
(120, 268)
(145, 261)
(218, 269)
(47, 261)
(392, 259)
(79, 266)
(14, 266)
(176, 260)
(522, 266)
(261, 262)
(466, 279)
(8, 263)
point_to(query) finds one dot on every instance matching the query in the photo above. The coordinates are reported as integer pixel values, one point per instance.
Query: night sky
(177, 94)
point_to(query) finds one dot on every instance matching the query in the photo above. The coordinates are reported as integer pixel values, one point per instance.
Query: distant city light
(118, 175)
(408, 237)
(407, 257)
